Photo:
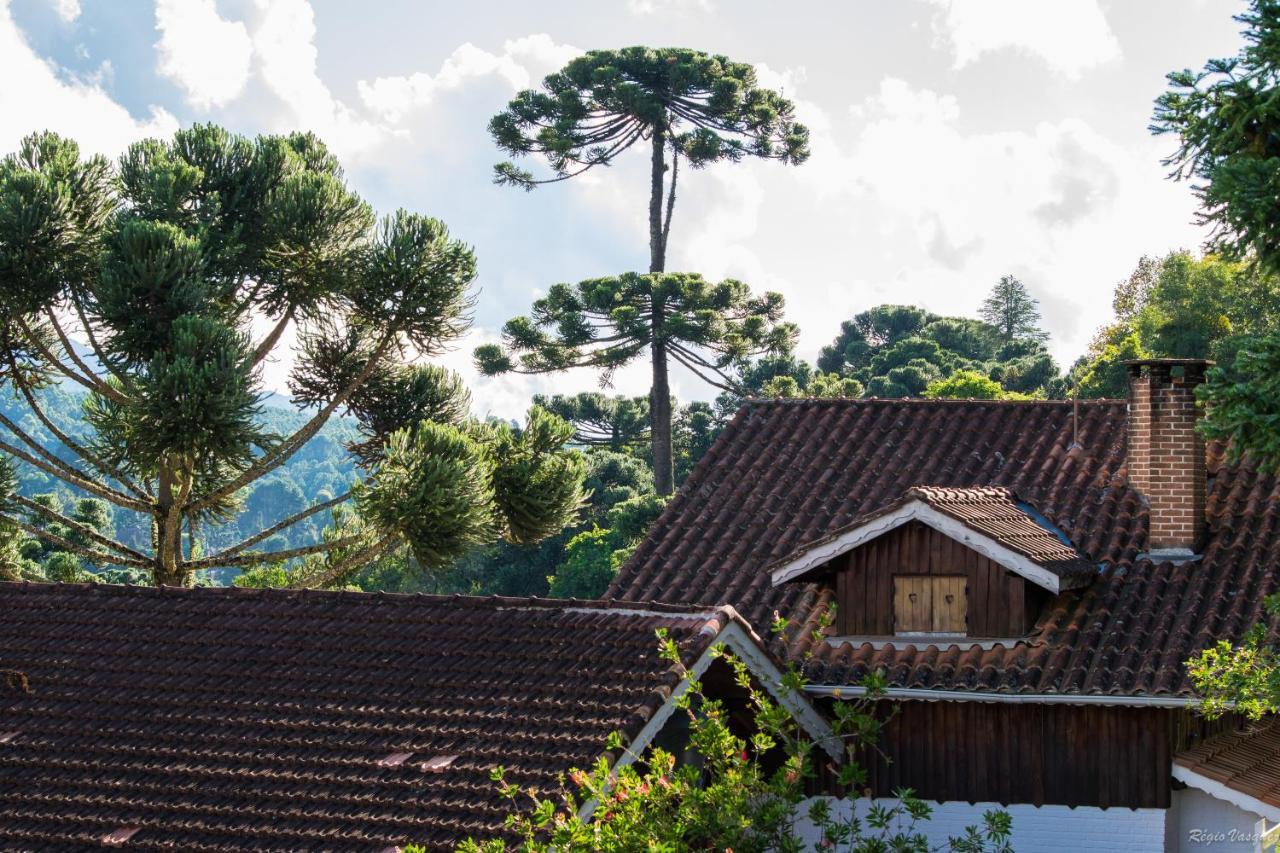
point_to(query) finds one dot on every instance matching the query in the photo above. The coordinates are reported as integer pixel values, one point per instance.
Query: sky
(954, 141)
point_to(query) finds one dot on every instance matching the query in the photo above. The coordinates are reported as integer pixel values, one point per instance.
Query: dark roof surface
(788, 472)
(1246, 760)
(994, 512)
(216, 719)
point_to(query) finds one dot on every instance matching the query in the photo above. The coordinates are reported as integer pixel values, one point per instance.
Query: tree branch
(96, 557)
(52, 359)
(270, 557)
(276, 528)
(63, 471)
(270, 461)
(75, 447)
(270, 341)
(97, 349)
(696, 372)
(94, 382)
(671, 196)
(84, 530)
(351, 563)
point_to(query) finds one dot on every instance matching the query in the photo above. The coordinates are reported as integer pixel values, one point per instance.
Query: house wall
(1199, 822)
(1070, 755)
(1000, 603)
(1052, 829)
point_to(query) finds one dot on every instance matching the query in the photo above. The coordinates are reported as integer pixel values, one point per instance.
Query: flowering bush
(731, 792)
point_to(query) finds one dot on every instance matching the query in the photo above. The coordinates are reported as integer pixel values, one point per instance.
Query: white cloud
(519, 65)
(901, 203)
(668, 7)
(284, 47)
(203, 53)
(68, 10)
(1070, 36)
(44, 100)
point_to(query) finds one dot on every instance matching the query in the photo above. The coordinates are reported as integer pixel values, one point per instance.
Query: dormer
(941, 564)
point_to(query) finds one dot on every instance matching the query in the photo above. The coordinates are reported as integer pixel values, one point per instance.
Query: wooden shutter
(930, 604)
(912, 603)
(950, 605)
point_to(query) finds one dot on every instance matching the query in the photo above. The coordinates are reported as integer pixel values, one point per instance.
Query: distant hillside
(322, 468)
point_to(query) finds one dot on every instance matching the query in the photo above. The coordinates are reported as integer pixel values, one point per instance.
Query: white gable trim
(915, 510)
(746, 648)
(844, 691)
(1217, 790)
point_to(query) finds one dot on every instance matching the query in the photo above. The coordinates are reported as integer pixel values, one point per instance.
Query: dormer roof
(991, 520)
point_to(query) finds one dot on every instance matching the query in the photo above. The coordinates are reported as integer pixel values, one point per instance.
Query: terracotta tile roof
(1246, 761)
(210, 720)
(993, 512)
(788, 472)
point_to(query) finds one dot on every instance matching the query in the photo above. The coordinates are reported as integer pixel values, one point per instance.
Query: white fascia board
(915, 510)
(1219, 791)
(734, 638)
(747, 650)
(839, 691)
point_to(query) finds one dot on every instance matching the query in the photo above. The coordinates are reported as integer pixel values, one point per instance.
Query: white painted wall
(1199, 823)
(1052, 829)
(1196, 823)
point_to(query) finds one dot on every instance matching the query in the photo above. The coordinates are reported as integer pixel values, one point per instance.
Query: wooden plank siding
(1072, 755)
(999, 602)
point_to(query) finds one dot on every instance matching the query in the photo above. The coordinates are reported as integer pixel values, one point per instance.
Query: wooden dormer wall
(1000, 603)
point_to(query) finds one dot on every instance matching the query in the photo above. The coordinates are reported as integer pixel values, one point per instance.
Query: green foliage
(1011, 310)
(965, 385)
(163, 264)
(591, 560)
(265, 577)
(537, 484)
(405, 394)
(819, 385)
(1180, 306)
(61, 567)
(900, 350)
(741, 790)
(870, 332)
(447, 490)
(12, 563)
(1102, 373)
(617, 422)
(1245, 411)
(707, 108)
(1244, 677)
(1229, 138)
(606, 323)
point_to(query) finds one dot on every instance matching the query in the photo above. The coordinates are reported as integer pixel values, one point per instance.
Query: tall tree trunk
(660, 391)
(168, 522)
(657, 245)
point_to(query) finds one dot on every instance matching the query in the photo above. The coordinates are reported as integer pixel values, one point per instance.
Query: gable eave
(818, 554)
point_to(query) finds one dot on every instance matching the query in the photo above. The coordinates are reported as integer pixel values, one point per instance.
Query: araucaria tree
(606, 323)
(685, 105)
(142, 283)
(1013, 312)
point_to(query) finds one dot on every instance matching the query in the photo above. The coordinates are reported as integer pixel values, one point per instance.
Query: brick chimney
(1166, 454)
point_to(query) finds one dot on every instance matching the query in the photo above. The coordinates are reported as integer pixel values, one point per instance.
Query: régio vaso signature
(1210, 836)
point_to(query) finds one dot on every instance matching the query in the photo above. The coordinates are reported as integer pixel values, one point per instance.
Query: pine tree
(1229, 138)
(608, 322)
(617, 422)
(1012, 311)
(686, 105)
(160, 265)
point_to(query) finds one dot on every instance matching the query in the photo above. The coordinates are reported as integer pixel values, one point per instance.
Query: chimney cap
(1207, 362)
(1194, 365)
